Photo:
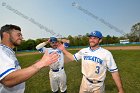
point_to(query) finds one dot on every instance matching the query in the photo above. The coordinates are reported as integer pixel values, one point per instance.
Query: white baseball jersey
(95, 63)
(8, 64)
(57, 74)
(60, 63)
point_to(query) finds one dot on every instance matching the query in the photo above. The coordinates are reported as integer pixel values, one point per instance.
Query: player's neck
(94, 47)
(7, 44)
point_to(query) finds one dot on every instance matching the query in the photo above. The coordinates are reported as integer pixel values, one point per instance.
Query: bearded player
(57, 74)
(95, 62)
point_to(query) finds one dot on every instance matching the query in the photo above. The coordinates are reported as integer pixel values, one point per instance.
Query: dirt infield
(123, 48)
(116, 48)
(32, 53)
(109, 48)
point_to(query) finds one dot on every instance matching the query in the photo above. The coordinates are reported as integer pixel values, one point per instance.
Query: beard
(92, 44)
(14, 42)
(54, 46)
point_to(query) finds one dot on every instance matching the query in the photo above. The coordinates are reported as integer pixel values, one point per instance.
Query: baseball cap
(53, 39)
(96, 34)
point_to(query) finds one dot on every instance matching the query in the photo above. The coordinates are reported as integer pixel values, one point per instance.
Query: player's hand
(61, 46)
(65, 41)
(48, 59)
(48, 41)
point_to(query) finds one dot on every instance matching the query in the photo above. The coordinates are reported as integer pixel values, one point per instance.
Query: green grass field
(128, 62)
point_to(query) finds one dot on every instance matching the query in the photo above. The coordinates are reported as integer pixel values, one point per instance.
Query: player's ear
(6, 34)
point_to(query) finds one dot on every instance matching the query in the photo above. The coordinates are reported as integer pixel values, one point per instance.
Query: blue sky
(62, 18)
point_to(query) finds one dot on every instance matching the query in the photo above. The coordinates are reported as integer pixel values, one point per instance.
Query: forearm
(118, 82)
(41, 45)
(68, 56)
(21, 75)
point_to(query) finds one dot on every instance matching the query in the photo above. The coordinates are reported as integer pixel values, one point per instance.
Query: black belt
(56, 70)
(94, 82)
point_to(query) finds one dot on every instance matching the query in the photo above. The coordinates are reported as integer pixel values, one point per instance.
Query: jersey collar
(94, 49)
(7, 47)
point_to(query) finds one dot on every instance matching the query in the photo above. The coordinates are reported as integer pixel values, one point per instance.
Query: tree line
(82, 40)
(30, 44)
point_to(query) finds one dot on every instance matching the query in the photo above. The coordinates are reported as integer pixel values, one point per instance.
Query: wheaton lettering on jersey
(93, 58)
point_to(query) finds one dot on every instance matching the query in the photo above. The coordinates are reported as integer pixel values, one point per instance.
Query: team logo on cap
(94, 33)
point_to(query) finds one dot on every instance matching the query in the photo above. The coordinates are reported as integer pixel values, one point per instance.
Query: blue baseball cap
(96, 34)
(53, 39)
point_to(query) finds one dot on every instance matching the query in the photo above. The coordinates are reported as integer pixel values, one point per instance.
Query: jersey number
(97, 70)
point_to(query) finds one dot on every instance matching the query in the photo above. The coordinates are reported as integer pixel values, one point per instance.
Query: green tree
(76, 41)
(71, 40)
(31, 44)
(84, 41)
(135, 32)
(23, 46)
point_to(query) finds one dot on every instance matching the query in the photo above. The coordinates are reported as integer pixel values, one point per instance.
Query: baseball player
(57, 74)
(12, 77)
(95, 62)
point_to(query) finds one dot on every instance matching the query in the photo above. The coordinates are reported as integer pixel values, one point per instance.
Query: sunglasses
(53, 42)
